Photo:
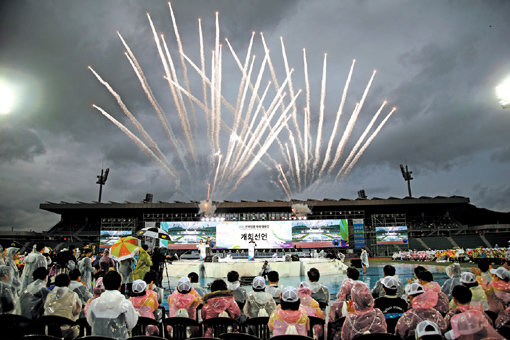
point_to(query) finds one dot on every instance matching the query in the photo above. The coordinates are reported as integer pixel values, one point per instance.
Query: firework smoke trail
(296, 160)
(153, 146)
(321, 117)
(202, 68)
(285, 189)
(350, 126)
(337, 120)
(216, 173)
(307, 119)
(289, 161)
(145, 149)
(354, 150)
(366, 145)
(288, 190)
(183, 64)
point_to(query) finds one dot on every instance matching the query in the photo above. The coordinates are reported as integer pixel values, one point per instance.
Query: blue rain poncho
(31, 301)
(111, 315)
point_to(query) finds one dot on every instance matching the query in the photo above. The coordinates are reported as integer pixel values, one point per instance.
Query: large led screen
(188, 232)
(108, 237)
(391, 235)
(320, 232)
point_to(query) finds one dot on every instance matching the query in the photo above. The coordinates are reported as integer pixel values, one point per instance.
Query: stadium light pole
(101, 180)
(407, 177)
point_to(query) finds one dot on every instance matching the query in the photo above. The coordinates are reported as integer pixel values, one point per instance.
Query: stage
(244, 267)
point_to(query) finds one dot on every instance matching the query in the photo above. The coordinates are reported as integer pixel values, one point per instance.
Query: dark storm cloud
(19, 143)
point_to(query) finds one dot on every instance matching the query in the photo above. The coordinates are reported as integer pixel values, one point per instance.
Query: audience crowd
(453, 255)
(114, 297)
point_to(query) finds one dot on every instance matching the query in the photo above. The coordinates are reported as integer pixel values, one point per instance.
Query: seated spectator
(310, 307)
(234, 286)
(483, 275)
(78, 286)
(31, 301)
(287, 317)
(352, 273)
(193, 278)
(111, 314)
(453, 272)
(320, 293)
(462, 297)
(62, 301)
(471, 324)
(259, 303)
(151, 278)
(422, 308)
(428, 330)
(391, 305)
(427, 281)
(7, 300)
(378, 290)
(363, 318)
(219, 303)
(468, 280)
(96, 291)
(145, 302)
(498, 291)
(273, 288)
(338, 308)
(266, 268)
(183, 302)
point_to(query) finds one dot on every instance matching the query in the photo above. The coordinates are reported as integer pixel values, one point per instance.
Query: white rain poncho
(83, 293)
(259, 304)
(112, 315)
(364, 258)
(453, 271)
(61, 301)
(7, 300)
(11, 262)
(86, 270)
(33, 261)
(126, 270)
(320, 293)
(31, 301)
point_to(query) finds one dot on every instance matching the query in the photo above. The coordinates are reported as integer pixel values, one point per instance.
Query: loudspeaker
(356, 263)
(295, 258)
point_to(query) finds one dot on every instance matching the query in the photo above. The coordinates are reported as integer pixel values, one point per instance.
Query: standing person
(126, 271)
(33, 261)
(208, 249)
(11, 256)
(364, 260)
(144, 263)
(251, 250)
(202, 248)
(86, 268)
(31, 301)
(111, 314)
(106, 262)
(266, 268)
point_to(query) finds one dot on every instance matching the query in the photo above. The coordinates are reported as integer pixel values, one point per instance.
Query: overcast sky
(437, 61)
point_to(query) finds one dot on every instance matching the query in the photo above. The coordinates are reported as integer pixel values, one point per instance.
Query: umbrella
(154, 232)
(124, 248)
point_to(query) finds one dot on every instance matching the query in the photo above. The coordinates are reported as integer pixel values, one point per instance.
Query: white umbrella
(153, 232)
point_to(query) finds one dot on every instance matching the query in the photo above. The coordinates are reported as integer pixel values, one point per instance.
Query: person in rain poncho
(391, 305)
(126, 271)
(33, 261)
(219, 303)
(78, 286)
(183, 302)
(96, 291)
(266, 268)
(86, 268)
(106, 262)
(309, 306)
(428, 330)
(468, 279)
(338, 308)
(2, 256)
(193, 278)
(320, 293)
(378, 290)
(61, 301)
(144, 263)
(422, 308)
(427, 281)
(472, 325)
(363, 318)
(462, 298)
(31, 301)
(498, 291)
(453, 272)
(145, 303)
(234, 286)
(273, 288)
(11, 255)
(111, 314)
(364, 260)
(287, 317)
(259, 303)
(7, 300)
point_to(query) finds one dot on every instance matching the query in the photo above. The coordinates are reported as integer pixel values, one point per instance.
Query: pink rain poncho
(219, 304)
(337, 309)
(189, 302)
(145, 306)
(97, 291)
(365, 318)
(464, 308)
(443, 304)
(281, 319)
(310, 307)
(498, 295)
(422, 309)
(473, 325)
(106, 262)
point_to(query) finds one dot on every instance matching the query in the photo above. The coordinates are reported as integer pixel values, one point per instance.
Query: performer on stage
(251, 250)
(364, 260)
(202, 247)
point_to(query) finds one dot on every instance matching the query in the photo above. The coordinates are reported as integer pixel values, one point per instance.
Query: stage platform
(251, 268)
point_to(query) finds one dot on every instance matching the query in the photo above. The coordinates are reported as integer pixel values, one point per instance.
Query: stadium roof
(327, 202)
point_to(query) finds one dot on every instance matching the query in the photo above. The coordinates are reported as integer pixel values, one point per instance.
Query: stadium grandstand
(432, 222)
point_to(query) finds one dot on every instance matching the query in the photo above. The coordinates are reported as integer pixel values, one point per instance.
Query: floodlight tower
(407, 177)
(101, 180)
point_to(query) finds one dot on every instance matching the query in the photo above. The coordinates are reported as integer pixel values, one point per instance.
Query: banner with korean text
(266, 234)
(358, 230)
